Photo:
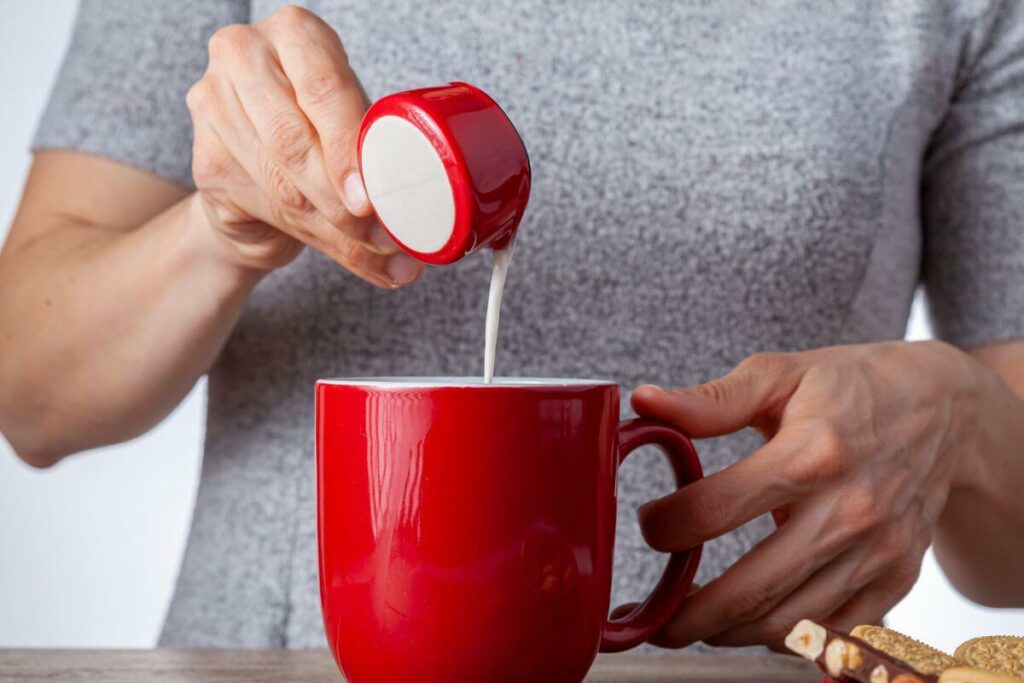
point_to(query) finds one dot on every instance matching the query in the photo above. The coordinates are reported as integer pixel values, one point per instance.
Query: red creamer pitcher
(445, 170)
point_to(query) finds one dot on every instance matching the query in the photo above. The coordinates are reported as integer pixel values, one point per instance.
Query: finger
(328, 92)
(331, 97)
(267, 101)
(283, 205)
(821, 595)
(874, 601)
(232, 124)
(758, 581)
(755, 389)
(725, 500)
(623, 610)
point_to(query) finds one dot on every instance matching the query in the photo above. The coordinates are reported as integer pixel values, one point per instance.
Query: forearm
(104, 331)
(979, 539)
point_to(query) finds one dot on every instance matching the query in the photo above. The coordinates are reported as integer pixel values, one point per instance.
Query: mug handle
(668, 596)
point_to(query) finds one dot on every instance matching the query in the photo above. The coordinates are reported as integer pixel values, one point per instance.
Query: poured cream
(502, 259)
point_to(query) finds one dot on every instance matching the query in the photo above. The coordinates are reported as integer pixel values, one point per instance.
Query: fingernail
(381, 240)
(403, 269)
(353, 193)
(650, 389)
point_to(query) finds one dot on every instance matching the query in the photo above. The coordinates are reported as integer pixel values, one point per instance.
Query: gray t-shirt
(711, 179)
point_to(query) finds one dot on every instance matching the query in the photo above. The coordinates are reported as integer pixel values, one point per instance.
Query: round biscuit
(922, 657)
(967, 674)
(998, 654)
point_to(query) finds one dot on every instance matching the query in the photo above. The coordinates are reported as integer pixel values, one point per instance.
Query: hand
(863, 445)
(276, 118)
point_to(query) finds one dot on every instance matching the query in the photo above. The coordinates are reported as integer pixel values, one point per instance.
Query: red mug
(445, 170)
(466, 530)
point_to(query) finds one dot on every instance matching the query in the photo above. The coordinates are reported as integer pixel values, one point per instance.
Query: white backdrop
(89, 550)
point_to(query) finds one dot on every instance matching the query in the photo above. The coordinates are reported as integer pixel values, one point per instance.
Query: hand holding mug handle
(644, 621)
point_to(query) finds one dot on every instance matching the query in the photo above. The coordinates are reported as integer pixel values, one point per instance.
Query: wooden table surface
(315, 666)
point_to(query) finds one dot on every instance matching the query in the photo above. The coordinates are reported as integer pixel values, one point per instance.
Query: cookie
(966, 674)
(849, 658)
(922, 657)
(998, 654)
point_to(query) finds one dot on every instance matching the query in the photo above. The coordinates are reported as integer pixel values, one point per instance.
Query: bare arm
(112, 304)
(979, 539)
(118, 289)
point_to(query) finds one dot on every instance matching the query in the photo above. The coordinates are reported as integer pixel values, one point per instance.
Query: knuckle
(289, 139)
(762, 361)
(830, 441)
(352, 255)
(767, 365)
(199, 97)
(767, 374)
(858, 511)
(750, 602)
(292, 16)
(718, 392)
(225, 212)
(321, 86)
(905, 576)
(285, 196)
(826, 459)
(703, 515)
(337, 215)
(893, 542)
(230, 42)
(208, 168)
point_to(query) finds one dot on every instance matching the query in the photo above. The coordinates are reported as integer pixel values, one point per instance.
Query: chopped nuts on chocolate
(807, 639)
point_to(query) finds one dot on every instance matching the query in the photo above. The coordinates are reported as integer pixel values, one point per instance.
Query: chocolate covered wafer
(922, 657)
(998, 654)
(841, 655)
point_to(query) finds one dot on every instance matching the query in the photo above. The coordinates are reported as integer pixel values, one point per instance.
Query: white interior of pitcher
(408, 184)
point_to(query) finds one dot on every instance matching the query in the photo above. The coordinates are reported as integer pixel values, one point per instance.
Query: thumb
(756, 387)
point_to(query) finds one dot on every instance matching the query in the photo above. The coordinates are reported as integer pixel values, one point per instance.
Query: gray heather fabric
(711, 179)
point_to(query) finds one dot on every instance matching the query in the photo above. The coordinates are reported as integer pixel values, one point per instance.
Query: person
(737, 201)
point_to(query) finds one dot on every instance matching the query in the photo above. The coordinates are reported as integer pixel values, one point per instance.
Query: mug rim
(465, 382)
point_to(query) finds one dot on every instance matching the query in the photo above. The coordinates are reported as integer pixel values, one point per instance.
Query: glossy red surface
(483, 154)
(466, 533)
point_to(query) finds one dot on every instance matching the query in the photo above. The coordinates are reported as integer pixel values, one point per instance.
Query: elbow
(39, 460)
(34, 452)
(989, 579)
(35, 443)
(37, 431)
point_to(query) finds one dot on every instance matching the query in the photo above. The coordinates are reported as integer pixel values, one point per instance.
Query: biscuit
(966, 674)
(920, 656)
(997, 654)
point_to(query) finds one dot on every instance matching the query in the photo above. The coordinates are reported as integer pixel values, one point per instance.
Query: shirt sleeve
(973, 190)
(120, 92)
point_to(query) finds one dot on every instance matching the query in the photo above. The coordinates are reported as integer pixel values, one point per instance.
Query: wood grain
(316, 666)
